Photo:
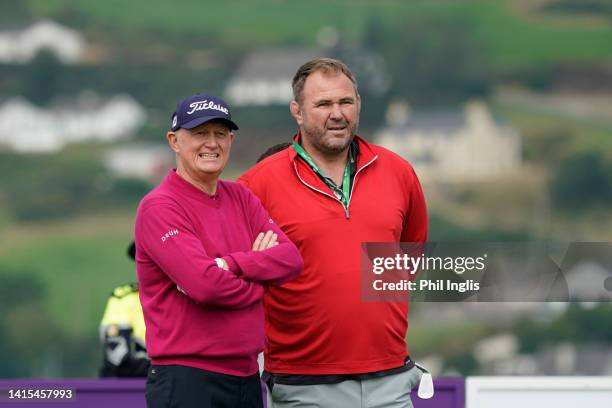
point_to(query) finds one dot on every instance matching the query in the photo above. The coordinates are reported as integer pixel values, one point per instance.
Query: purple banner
(129, 393)
(91, 393)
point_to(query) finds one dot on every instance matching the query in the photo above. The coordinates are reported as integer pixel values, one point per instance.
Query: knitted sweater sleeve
(166, 235)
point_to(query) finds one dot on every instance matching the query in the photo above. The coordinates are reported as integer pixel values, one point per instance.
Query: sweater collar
(182, 186)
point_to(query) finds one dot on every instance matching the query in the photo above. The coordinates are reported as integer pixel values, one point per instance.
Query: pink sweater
(196, 313)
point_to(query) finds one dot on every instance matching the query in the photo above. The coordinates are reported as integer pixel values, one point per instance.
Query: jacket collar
(365, 156)
(307, 175)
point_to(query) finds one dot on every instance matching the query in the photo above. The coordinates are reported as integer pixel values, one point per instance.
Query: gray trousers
(392, 391)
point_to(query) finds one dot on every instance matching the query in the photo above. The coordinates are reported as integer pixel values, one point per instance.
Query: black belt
(300, 379)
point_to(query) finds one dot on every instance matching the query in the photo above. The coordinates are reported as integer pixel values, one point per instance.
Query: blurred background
(503, 107)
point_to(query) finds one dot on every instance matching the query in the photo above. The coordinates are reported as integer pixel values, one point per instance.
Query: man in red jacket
(330, 192)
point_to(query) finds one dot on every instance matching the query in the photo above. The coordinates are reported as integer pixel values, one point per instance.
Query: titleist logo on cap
(198, 109)
(204, 105)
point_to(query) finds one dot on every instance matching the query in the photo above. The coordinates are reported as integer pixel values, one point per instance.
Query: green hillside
(512, 36)
(78, 261)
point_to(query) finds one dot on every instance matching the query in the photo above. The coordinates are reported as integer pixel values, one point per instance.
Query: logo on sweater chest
(169, 234)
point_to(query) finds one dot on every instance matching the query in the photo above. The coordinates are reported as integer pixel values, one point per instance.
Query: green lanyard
(346, 180)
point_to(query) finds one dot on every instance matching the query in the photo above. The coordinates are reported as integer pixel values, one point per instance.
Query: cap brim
(204, 119)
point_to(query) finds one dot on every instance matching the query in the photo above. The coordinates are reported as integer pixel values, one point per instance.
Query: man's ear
(296, 112)
(171, 137)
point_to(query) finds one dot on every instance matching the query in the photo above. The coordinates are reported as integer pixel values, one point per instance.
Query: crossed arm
(263, 241)
(242, 276)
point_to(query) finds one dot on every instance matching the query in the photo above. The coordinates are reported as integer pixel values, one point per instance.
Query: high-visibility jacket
(122, 332)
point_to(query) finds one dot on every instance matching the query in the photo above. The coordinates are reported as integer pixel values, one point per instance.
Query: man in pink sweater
(205, 252)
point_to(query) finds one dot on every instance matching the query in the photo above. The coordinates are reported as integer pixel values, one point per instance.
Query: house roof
(442, 123)
(21, 46)
(439, 120)
(273, 64)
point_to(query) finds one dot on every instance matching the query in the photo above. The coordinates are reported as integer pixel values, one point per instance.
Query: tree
(436, 62)
(43, 74)
(581, 182)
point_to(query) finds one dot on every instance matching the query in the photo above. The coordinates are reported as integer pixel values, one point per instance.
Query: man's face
(328, 113)
(202, 152)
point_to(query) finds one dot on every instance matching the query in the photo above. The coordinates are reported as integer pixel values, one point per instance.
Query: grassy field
(78, 261)
(573, 134)
(512, 38)
(444, 340)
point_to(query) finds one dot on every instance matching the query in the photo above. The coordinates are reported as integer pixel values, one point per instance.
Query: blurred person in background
(273, 149)
(206, 250)
(122, 332)
(330, 192)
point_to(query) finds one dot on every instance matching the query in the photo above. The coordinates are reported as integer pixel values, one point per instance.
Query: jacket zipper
(346, 210)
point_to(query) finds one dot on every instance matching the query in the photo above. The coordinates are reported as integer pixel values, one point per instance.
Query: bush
(581, 182)
(62, 185)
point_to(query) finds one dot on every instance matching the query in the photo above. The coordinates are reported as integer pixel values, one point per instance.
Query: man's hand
(265, 241)
(221, 263)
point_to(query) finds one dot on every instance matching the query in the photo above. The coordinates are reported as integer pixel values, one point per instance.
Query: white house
(452, 146)
(588, 280)
(20, 47)
(142, 161)
(25, 127)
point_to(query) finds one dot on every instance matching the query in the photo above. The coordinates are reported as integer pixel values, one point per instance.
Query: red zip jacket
(196, 313)
(318, 324)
